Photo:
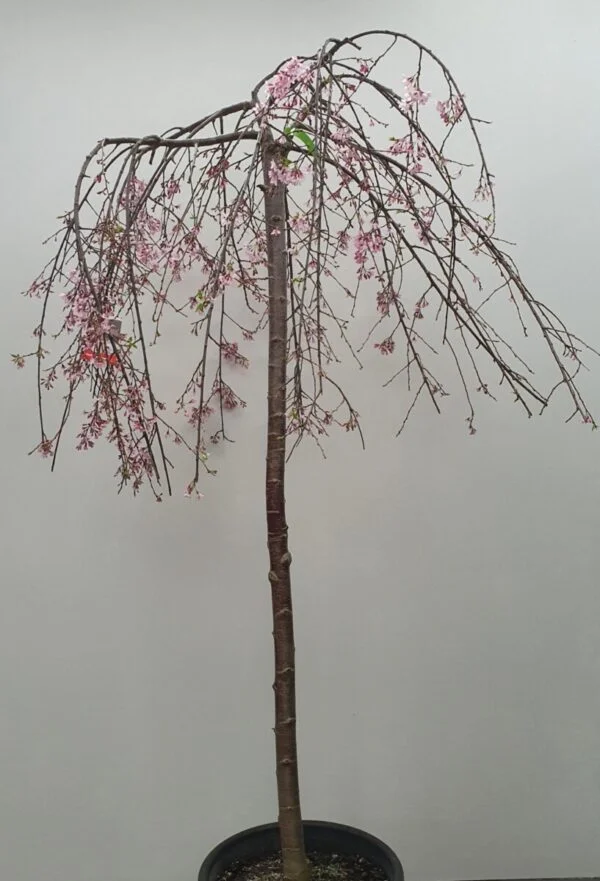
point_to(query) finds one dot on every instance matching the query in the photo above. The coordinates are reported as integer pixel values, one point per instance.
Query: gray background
(448, 612)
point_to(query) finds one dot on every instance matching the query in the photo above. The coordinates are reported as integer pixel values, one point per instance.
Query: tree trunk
(295, 865)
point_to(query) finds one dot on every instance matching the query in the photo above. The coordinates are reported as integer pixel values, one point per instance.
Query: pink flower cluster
(171, 188)
(385, 298)
(229, 399)
(285, 174)
(230, 353)
(483, 191)
(365, 243)
(132, 193)
(91, 430)
(386, 347)
(414, 96)
(192, 414)
(289, 74)
(45, 448)
(79, 302)
(299, 223)
(423, 223)
(413, 147)
(341, 135)
(451, 110)
(419, 306)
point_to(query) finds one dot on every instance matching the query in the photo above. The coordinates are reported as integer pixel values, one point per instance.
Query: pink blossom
(423, 224)
(299, 223)
(361, 244)
(37, 288)
(45, 448)
(231, 354)
(398, 198)
(192, 414)
(79, 303)
(289, 74)
(218, 169)
(92, 430)
(451, 111)
(152, 224)
(413, 148)
(279, 173)
(341, 135)
(225, 279)
(384, 300)
(148, 255)
(255, 252)
(229, 399)
(422, 304)
(401, 145)
(414, 96)
(365, 243)
(132, 192)
(171, 188)
(483, 191)
(49, 379)
(386, 347)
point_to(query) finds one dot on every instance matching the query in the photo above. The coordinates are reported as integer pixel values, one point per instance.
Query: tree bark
(295, 865)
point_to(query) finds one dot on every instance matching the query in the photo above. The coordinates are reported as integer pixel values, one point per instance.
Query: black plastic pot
(319, 837)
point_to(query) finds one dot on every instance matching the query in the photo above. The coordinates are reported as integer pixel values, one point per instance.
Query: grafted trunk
(295, 866)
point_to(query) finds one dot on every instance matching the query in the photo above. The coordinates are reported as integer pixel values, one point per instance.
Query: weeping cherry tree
(281, 214)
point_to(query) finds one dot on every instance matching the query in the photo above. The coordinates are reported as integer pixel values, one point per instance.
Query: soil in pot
(324, 866)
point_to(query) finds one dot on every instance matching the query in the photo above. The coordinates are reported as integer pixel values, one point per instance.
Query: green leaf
(200, 301)
(302, 136)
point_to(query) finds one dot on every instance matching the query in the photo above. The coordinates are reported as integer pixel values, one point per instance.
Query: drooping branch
(379, 211)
